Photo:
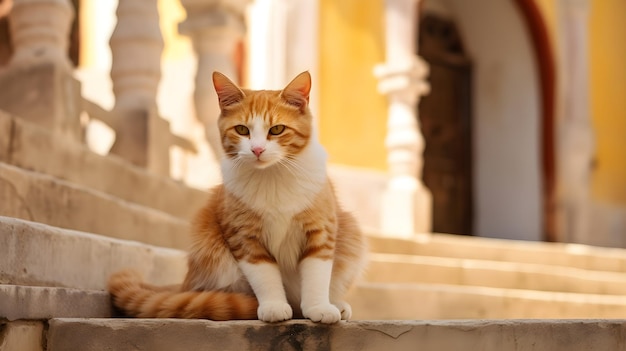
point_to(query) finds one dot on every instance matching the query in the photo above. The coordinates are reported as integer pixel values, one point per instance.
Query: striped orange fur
(139, 300)
(272, 241)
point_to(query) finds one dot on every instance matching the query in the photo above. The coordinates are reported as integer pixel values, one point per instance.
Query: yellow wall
(608, 98)
(85, 32)
(171, 13)
(607, 55)
(353, 114)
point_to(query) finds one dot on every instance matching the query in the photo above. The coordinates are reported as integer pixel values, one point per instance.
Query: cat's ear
(228, 93)
(297, 92)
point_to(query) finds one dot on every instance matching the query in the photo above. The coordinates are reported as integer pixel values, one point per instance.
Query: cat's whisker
(294, 163)
(295, 168)
(287, 166)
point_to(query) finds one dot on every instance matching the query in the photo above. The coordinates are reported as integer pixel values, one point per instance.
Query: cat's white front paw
(345, 309)
(324, 313)
(274, 311)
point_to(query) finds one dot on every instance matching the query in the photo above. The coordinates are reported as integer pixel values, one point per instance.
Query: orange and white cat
(272, 242)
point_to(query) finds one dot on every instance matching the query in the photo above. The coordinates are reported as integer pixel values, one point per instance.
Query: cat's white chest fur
(278, 193)
(284, 240)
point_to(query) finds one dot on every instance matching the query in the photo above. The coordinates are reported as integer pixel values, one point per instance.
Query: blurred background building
(488, 119)
(495, 118)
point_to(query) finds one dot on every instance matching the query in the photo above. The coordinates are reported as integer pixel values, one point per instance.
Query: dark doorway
(446, 123)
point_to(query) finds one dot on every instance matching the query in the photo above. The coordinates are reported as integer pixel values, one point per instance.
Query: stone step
(19, 302)
(32, 147)
(391, 301)
(41, 255)
(36, 254)
(370, 301)
(467, 247)
(496, 335)
(395, 268)
(379, 301)
(88, 259)
(42, 198)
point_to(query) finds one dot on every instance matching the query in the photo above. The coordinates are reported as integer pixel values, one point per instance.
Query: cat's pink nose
(258, 150)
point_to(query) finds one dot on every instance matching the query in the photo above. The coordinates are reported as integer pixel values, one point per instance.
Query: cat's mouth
(262, 164)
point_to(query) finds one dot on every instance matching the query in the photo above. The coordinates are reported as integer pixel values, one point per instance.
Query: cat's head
(264, 127)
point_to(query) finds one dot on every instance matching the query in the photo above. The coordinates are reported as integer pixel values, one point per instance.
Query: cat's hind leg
(349, 262)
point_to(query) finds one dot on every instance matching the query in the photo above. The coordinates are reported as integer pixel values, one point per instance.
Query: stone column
(38, 84)
(268, 44)
(406, 206)
(136, 47)
(216, 29)
(575, 138)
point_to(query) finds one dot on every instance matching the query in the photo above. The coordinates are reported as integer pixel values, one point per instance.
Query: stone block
(554, 254)
(46, 94)
(131, 141)
(42, 303)
(349, 183)
(35, 148)
(41, 255)
(393, 301)
(394, 268)
(406, 208)
(42, 198)
(498, 335)
(22, 336)
(6, 135)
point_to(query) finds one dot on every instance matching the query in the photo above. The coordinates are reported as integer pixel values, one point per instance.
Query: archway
(512, 113)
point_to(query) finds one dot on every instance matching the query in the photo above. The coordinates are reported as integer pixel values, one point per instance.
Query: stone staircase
(70, 217)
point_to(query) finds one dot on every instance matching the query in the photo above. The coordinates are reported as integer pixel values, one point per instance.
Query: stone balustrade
(407, 203)
(43, 89)
(136, 47)
(216, 29)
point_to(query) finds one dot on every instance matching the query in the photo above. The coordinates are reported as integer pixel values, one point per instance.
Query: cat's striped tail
(137, 299)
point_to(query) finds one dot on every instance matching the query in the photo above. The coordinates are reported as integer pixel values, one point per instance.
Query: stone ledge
(41, 255)
(46, 199)
(42, 303)
(458, 246)
(32, 147)
(484, 335)
(396, 268)
(22, 335)
(436, 301)
(38, 254)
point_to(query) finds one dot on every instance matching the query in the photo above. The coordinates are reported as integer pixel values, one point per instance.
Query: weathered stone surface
(31, 147)
(350, 183)
(170, 335)
(22, 336)
(394, 268)
(6, 135)
(391, 301)
(557, 254)
(37, 254)
(46, 94)
(42, 198)
(30, 302)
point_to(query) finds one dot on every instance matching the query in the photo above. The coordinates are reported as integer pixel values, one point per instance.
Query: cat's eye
(277, 129)
(242, 130)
